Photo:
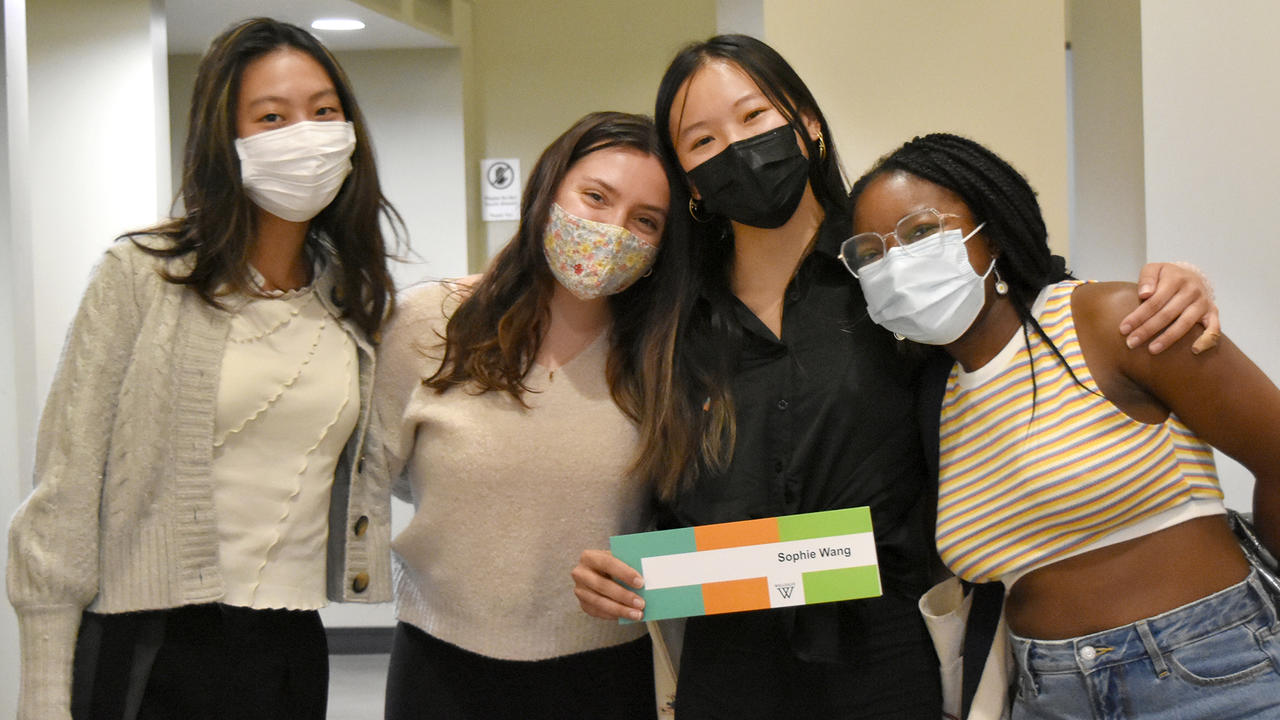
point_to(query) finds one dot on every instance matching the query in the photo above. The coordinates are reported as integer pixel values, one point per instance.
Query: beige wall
(537, 71)
(886, 70)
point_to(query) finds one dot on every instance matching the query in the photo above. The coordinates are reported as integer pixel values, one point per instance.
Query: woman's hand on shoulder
(599, 594)
(1175, 298)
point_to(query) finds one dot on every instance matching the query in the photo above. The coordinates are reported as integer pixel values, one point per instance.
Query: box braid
(999, 195)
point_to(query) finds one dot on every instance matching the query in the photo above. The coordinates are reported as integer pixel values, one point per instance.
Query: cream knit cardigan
(122, 515)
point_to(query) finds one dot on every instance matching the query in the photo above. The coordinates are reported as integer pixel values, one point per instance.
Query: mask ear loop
(1002, 287)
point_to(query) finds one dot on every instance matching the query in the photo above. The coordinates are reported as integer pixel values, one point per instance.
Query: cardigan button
(361, 582)
(360, 465)
(362, 525)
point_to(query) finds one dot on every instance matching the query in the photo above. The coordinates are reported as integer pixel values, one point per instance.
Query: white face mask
(296, 171)
(593, 259)
(930, 295)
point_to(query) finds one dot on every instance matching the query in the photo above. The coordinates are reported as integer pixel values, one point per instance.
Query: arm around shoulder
(1222, 396)
(409, 353)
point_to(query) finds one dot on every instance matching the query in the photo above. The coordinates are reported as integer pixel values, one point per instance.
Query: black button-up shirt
(826, 419)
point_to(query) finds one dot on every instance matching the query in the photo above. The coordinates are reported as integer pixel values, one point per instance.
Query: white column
(99, 136)
(16, 408)
(1210, 115)
(83, 130)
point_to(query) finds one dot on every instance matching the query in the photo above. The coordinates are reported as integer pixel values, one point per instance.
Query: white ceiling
(191, 24)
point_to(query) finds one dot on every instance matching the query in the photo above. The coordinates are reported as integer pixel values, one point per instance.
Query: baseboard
(359, 640)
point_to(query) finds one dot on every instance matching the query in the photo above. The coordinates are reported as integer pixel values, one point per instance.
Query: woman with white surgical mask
(526, 413)
(1074, 470)
(197, 490)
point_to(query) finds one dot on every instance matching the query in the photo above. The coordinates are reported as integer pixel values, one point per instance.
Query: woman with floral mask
(526, 412)
(813, 404)
(196, 493)
(1073, 469)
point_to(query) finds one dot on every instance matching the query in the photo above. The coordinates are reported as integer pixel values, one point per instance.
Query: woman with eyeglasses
(808, 405)
(1074, 470)
(197, 494)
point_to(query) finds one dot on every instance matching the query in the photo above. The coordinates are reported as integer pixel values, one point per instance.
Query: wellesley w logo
(784, 589)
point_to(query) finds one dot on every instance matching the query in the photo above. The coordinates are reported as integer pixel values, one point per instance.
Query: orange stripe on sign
(735, 595)
(736, 534)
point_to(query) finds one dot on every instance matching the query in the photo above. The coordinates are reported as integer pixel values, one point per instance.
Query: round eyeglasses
(865, 248)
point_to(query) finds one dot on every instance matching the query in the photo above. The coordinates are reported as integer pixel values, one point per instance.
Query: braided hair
(996, 194)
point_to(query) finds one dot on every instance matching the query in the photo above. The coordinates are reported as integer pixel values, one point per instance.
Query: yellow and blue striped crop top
(1018, 490)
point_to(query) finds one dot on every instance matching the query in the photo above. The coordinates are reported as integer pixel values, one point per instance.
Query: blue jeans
(1218, 658)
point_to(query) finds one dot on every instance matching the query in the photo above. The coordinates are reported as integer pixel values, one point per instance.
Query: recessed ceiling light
(336, 24)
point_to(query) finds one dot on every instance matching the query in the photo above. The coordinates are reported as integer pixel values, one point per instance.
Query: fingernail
(637, 581)
(1131, 341)
(1144, 288)
(1195, 351)
(638, 602)
(1156, 347)
(1125, 328)
(636, 615)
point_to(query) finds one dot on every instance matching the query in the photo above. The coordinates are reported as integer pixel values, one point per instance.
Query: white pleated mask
(931, 294)
(296, 171)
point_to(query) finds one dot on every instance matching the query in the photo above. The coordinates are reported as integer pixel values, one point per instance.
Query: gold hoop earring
(694, 208)
(822, 147)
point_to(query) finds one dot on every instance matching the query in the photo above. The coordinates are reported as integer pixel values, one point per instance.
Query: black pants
(430, 679)
(741, 666)
(201, 662)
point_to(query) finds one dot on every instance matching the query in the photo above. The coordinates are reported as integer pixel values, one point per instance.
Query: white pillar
(99, 145)
(1210, 114)
(84, 136)
(16, 407)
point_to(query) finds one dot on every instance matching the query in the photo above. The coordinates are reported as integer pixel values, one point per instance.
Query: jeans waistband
(1146, 638)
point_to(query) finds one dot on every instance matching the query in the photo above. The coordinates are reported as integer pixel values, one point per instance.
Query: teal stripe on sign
(630, 549)
(846, 521)
(673, 602)
(842, 584)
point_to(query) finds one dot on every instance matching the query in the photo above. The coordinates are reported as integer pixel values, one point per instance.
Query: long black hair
(710, 343)
(783, 88)
(217, 227)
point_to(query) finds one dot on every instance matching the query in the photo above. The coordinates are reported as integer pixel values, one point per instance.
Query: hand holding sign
(748, 565)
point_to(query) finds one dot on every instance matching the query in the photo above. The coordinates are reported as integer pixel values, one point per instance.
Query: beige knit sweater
(122, 516)
(506, 497)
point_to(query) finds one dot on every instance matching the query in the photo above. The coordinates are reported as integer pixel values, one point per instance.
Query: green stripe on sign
(842, 584)
(846, 521)
(674, 602)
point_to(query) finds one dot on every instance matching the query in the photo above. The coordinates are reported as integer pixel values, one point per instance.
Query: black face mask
(758, 181)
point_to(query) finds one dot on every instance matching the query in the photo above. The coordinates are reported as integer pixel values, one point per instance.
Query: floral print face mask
(594, 259)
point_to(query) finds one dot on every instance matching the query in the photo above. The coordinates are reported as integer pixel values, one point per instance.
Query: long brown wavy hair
(494, 334)
(217, 228)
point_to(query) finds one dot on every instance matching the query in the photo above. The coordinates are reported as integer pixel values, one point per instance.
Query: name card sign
(754, 564)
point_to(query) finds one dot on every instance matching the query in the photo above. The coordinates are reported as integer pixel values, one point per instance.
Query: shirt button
(362, 525)
(1088, 653)
(782, 404)
(360, 582)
